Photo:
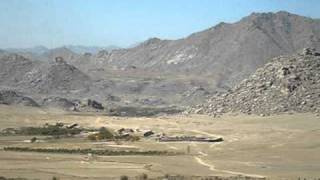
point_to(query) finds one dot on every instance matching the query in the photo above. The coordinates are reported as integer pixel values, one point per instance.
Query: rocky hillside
(158, 73)
(23, 74)
(61, 77)
(286, 84)
(225, 53)
(14, 68)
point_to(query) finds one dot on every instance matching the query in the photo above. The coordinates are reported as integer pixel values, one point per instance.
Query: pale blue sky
(52, 23)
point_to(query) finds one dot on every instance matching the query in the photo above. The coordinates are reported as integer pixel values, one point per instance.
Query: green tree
(105, 133)
(34, 139)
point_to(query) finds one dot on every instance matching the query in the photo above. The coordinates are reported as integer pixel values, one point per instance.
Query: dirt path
(212, 168)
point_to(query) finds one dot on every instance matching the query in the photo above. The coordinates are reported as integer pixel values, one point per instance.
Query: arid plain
(275, 147)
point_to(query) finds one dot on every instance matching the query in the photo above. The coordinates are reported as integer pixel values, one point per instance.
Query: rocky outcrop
(60, 103)
(286, 84)
(94, 104)
(8, 97)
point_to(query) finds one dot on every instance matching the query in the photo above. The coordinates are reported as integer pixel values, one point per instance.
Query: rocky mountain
(61, 78)
(225, 53)
(285, 84)
(54, 77)
(159, 73)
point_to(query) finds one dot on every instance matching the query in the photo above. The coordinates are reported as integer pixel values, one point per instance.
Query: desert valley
(236, 101)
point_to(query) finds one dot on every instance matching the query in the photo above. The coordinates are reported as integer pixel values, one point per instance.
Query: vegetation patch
(103, 133)
(92, 151)
(4, 178)
(106, 134)
(58, 129)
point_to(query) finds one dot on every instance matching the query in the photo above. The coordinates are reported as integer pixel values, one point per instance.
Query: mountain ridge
(79, 49)
(211, 52)
(181, 72)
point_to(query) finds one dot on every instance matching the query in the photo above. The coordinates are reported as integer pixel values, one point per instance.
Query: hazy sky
(26, 23)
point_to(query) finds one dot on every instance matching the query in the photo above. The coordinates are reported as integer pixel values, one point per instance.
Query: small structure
(72, 126)
(148, 133)
(188, 139)
(125, 131)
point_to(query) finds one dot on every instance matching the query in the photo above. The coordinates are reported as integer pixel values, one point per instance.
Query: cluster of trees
(106, 134)
(140, 177)
(57, 129)
(49, 130)
(103, 133)
(19, 178)
(103, 152)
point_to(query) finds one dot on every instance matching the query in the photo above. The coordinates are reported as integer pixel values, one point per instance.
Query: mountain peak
(256, 14)
(270, 15)
(63, 48)
(151, 41)
(283, 13)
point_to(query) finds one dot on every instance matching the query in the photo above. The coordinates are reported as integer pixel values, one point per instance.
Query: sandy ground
(276, 147)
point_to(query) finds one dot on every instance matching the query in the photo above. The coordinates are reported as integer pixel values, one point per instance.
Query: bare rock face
(286, 84)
